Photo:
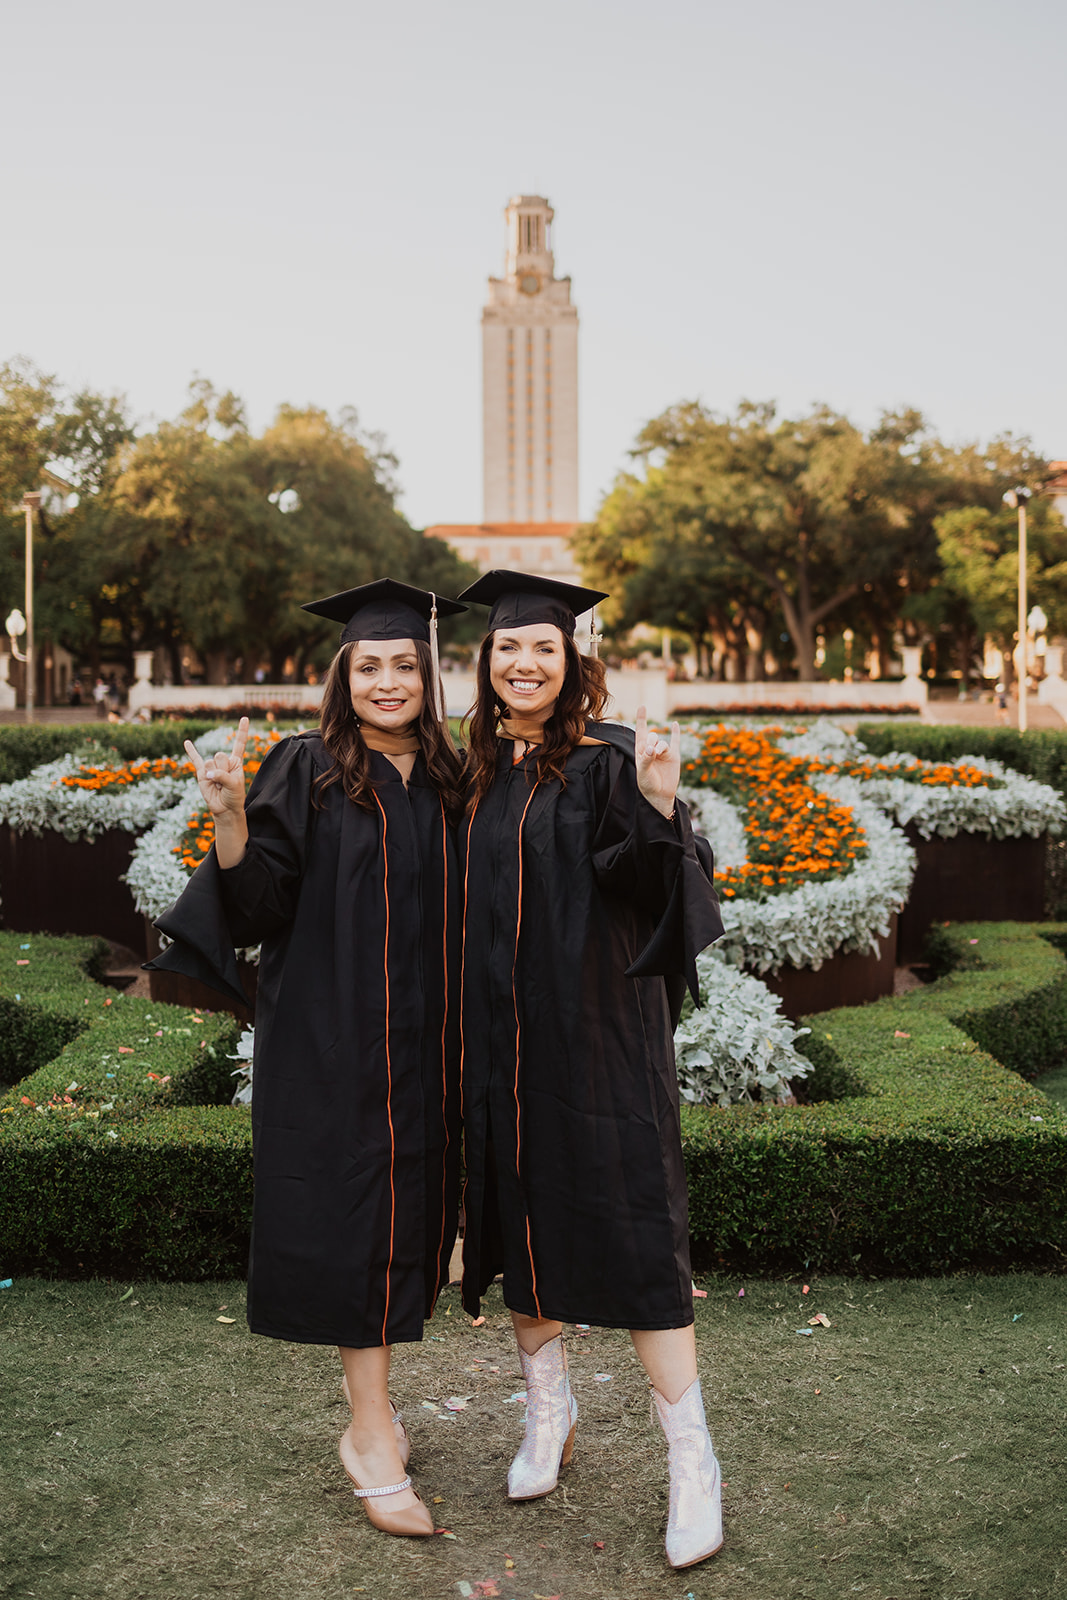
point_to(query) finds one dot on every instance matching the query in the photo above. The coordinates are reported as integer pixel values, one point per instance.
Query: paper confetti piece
(125, 1049)
(806, 1331)
(457, 1402)
(900, 1034)
(598, 1544)
(740, 1294)
(601, 1377)
(520, 1395)
(446, 1533)
(430, 1405)
(699, 1294)
(489, 1588)
(465, 1589)
(6, 1283)
(582, 1329)
(227, 1320)
(125, 1296)
(21, 963)
(509, 1564)
(819, 1320)
(806, 1289)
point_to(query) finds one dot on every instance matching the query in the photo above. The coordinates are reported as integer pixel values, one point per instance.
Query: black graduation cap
(519, 598)
(385, 610)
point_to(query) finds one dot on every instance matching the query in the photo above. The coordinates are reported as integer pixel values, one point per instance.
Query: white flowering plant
(738, 1047)
(941, 799)
(85, 793)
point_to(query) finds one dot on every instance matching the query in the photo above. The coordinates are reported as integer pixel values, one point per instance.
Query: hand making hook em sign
(659, 764)
(222, 776)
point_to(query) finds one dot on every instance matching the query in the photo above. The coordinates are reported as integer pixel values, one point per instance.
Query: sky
(848, 202)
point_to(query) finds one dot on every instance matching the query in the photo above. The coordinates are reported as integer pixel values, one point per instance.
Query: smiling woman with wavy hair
(587, 901)
(341, 863)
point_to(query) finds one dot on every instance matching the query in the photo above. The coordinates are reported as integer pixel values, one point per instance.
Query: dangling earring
(498, 710)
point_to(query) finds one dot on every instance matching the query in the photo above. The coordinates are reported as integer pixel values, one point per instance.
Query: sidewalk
(986, 714)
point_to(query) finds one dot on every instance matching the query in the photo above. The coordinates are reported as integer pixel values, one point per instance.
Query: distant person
(100, 698)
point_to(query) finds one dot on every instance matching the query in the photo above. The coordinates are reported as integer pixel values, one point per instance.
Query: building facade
(529, 409)
(529, 378)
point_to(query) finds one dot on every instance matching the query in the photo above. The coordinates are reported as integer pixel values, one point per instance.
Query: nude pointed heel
(551, 1421)
(411, 1522)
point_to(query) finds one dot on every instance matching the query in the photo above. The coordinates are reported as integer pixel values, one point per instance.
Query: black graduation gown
(585, 910)
(355, 1103)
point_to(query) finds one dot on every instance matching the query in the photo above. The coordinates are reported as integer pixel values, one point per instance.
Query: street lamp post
(32, 503)
(1017, 498)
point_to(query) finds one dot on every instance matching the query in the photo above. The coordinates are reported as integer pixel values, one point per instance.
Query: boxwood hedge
(924, 1154)
(24, 746)
(118, 1148)
(935, 1156)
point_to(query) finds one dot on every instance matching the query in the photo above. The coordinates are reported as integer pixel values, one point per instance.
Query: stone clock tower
(530, 379)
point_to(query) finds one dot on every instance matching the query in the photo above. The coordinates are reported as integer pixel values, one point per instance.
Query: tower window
(530, 235)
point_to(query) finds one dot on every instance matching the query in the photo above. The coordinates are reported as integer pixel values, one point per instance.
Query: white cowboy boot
(694, 1524)
(551, 1418)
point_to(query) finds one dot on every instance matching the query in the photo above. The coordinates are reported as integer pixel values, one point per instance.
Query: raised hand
(222, 777)
(659, 764)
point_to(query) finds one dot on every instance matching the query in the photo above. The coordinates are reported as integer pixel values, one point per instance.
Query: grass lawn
(914, 1448)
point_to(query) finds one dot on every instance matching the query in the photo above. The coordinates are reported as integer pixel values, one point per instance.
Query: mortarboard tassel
(438, 686)
(594, 637)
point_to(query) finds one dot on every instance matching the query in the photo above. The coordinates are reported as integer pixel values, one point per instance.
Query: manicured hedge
(932, 1157)
(25, 746)
(938, 1157)
(119, 1149)
(1041, 754)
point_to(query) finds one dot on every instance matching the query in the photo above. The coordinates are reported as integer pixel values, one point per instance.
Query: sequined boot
(551, 1418)
(694, 1524)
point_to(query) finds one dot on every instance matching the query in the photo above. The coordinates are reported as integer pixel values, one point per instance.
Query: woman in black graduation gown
(342, 863)
(587, 901)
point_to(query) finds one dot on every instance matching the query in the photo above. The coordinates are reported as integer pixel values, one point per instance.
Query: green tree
(805, 519)
(979, 550)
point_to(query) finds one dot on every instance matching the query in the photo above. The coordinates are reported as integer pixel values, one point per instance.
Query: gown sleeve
(641, 856)
(243, 905)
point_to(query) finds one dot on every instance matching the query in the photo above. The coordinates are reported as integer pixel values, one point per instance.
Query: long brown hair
(582, 699)
(351, 759)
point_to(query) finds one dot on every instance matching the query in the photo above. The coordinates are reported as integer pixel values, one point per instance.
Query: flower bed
(67, 835)
(824, 871)
(978, 828)
(928, 1155)
(813, 806)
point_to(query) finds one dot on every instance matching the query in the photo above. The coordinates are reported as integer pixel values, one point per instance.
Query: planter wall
(49, 885)
(971, 878)
(845, 980)
(176, 990)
